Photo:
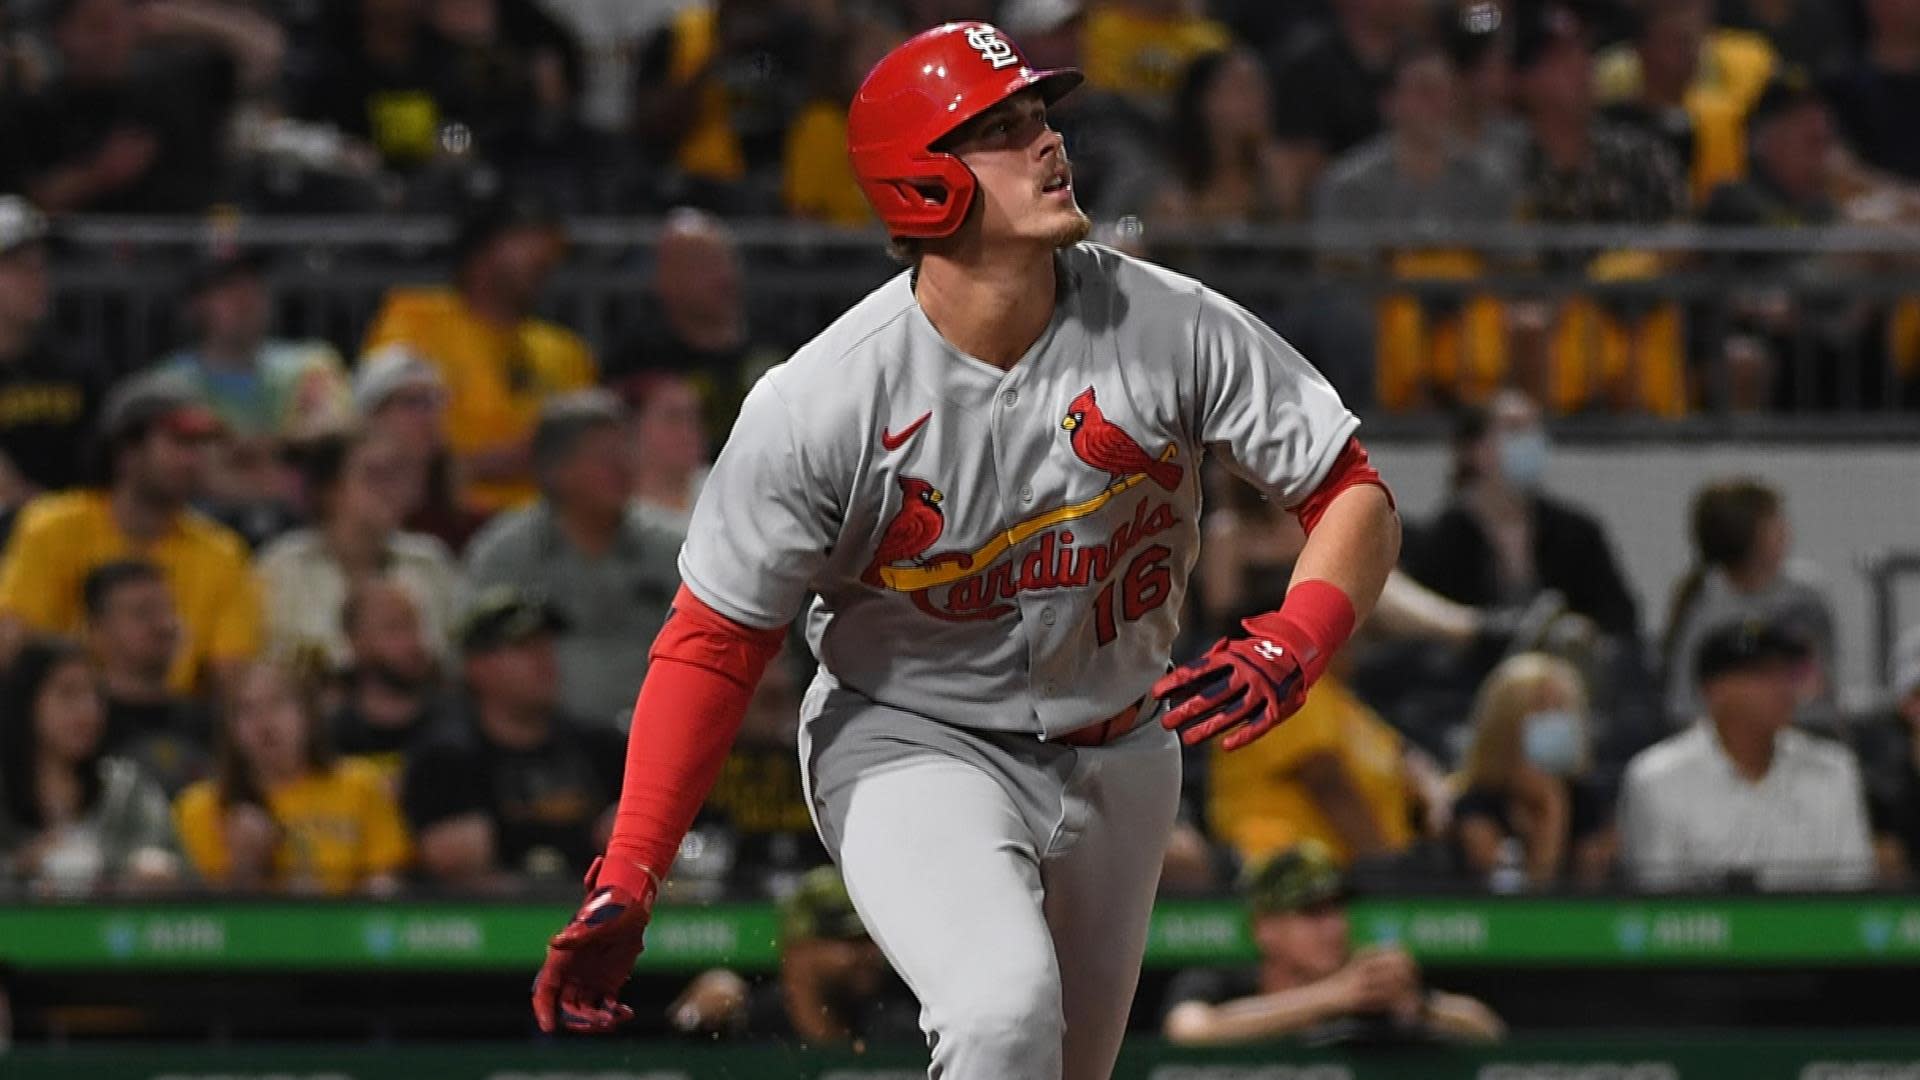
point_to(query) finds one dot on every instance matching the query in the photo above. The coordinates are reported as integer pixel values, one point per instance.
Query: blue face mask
(1523, 456)
(1553, 742)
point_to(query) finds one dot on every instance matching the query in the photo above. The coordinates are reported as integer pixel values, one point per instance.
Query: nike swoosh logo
(894, 442)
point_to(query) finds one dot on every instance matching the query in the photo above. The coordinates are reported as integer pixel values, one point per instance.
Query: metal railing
(119, 295)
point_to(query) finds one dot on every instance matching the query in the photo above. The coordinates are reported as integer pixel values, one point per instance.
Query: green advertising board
(1506, 932)
(1758, 1057)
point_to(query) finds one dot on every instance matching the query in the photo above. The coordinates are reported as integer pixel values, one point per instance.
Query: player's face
(1020, 165)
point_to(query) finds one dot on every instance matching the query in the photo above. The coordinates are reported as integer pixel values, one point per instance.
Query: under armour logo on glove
(991, 48)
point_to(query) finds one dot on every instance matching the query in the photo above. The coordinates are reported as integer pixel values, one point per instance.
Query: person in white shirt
(1742, 794)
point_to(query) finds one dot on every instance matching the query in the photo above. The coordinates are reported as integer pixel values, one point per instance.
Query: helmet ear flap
(940, 191)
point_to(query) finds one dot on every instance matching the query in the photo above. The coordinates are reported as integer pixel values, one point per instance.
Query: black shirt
(1884, 747)
(48, 398)
(546, 798)
(1589, 810)
(1453, 557)
(171, 740)
(180, 97)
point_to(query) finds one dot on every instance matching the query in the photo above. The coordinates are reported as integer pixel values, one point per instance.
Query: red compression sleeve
(701, 672)
(1350, 469)
(1316, 617)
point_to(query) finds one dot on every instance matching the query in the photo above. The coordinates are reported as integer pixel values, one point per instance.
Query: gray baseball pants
(1007, 880)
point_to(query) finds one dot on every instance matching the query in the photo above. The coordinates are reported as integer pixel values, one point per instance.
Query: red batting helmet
(922, 90)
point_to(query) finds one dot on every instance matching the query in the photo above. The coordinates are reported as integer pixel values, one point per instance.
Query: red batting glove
(1250, 684)
(589, 960)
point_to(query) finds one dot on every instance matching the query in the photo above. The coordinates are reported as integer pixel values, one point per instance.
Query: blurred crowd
(1405, 115)
(323, 617)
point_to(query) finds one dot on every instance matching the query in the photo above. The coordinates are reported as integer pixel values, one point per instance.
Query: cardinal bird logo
(914, 529)
(1100, 443)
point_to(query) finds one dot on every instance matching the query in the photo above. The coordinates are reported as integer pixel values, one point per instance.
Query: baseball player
(982, 485)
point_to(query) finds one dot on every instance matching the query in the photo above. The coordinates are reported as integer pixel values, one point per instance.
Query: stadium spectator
(1530, 812)
(1876, 98)
(670, 445)
(1227, 167)
(1887, 747)
(133, 634)
(1310, 982)
(390, 687)
(1575, 167)
(1501, 539)
(515, 788)
(1335, 773)
(1419, 173)
(509, 77)
(156, 439)
(357, 485)
(1329, 76)
(604, 565)
(1741, 794)
(282, 812)
(132, 115)
(402, 399)
(716, 90)
(1741, 569)
(48, 394)
(1479, 40)
(835, 987)
(372, 73)
(758, 807)
(1815, 36)
(1785, 351)
(497, 360)
(1688, 85)
(264, 389)
(817, 180)
(1138, 50)
(694, 319)
(75, 818)
(610, 34)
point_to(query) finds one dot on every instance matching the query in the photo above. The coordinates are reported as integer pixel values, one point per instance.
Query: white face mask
(1552, 741)
(1523, 456)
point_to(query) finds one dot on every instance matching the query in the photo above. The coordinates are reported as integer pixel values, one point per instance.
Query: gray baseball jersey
(1004, 550)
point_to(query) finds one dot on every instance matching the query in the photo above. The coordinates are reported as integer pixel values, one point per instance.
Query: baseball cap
(1747, 645)
(388, 370)
(821, 908)
(21, 224)
(504, 615)
(1906, 663)
(1296, 879)
(1786, 91)
(160, 399)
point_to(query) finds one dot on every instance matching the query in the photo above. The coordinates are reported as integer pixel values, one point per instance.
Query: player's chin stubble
(1073, 230)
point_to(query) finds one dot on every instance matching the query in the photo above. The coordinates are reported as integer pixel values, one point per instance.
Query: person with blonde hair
(1527, 801)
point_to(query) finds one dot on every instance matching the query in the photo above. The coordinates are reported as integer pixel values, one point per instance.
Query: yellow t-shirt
(496, 376)
(1140, 56)
(819, 182)
(62, 538)
(339, 828)
(1258, 804)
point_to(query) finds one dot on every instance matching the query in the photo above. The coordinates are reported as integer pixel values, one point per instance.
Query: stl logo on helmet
(990, 47)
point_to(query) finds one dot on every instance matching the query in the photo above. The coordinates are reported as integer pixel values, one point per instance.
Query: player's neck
(992, 309)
